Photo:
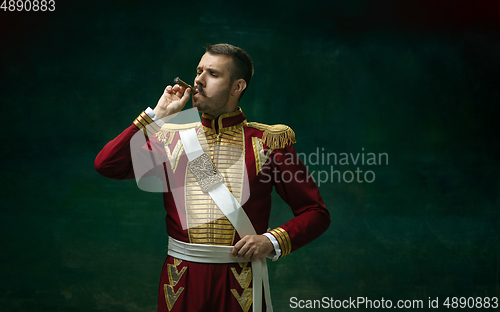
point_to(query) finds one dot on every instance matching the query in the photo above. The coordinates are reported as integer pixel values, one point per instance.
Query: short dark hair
(242, 62)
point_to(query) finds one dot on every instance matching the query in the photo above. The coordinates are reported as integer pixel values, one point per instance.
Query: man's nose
(198, 80)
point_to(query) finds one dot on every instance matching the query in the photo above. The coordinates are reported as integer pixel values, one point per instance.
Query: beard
(212, 105)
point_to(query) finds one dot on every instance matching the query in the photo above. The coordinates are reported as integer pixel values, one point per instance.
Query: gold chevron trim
(175, 155)
(174, 275)
(245, 300)
(245, 277)
(260, 156)
(171, 296)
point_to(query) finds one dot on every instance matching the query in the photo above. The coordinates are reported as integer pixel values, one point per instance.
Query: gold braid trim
(226, 129)
(167, 131)
(283, 239)
(146, 124)
(275, 136)
(235, 127)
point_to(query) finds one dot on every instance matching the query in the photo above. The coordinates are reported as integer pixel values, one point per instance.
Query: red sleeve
(115, 159)
(297, 188)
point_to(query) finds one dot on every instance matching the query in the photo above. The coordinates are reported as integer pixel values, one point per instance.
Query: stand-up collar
(223, 121)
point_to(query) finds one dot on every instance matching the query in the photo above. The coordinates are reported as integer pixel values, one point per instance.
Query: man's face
(214, 84)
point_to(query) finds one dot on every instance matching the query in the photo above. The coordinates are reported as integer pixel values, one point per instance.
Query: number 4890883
(28, 5)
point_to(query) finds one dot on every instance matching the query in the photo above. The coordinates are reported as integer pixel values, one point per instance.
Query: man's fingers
(240, 247)
(245, 252)
(181, 92)
(175, 90)
(252, 247)
(168, 89)
(178, 90)
(237, 247)
(172, 101)
(185, 98)
(187, 93)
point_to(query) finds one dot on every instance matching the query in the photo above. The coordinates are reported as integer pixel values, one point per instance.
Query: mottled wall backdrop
(412, 82)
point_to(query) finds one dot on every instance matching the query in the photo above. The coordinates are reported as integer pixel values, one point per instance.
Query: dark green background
(417, 80)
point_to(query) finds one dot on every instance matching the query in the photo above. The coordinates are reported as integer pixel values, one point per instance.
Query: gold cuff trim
(140, 126)
(146, 124)
(283, 239)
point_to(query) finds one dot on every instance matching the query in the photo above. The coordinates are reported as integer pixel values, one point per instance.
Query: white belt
(226, 202)
(201, 253)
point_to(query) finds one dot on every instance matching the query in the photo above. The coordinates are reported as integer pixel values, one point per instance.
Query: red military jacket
(265, 159)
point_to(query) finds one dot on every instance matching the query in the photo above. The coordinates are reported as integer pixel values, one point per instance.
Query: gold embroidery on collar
(226, 129)
(231, 114)
(235, 127)
(221, 117)
(220, 121)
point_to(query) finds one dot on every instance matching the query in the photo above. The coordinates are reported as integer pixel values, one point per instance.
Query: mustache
(199, 89)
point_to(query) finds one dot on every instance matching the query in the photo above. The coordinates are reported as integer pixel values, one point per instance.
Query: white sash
(230, 207)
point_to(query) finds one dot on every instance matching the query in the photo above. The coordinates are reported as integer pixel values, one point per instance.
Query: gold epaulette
(275, 136)
(167, 131)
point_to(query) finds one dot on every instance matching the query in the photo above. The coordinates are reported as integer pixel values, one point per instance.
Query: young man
(228, 219)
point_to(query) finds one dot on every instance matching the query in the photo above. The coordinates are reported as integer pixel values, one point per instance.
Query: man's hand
(252, 247)
(172, 101)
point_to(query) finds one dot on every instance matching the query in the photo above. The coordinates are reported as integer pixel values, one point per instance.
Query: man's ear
(238, 86)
